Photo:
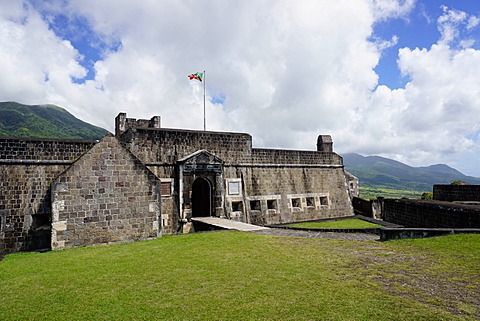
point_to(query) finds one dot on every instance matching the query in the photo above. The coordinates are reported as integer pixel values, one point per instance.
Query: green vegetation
(458, 182)
(427, 196)
(44, 121)
(345, 223)
(376, 172)
(234, 275)
(367, 192)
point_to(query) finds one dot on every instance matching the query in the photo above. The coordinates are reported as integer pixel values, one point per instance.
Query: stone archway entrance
(201, 186)
(201, 198)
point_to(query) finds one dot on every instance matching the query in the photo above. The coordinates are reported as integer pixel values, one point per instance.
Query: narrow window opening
(255, 205)
(310, 201)
(272, 204)
(296, 202)
(237, 206)
(323, 201)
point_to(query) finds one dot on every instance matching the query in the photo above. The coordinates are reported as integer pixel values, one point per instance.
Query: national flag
(198, 76)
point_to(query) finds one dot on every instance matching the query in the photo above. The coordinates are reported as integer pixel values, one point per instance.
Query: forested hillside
(44, 121)
(381, 172)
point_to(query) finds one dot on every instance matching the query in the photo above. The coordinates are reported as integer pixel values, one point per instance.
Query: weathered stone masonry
(260, 186)
(431, 214)
(64, 193)
(27, 169)
(107, 195)
(453, 206)
(457, 193)
(146, 180)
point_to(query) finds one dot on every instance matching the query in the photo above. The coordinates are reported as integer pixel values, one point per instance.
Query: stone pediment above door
(201, 160)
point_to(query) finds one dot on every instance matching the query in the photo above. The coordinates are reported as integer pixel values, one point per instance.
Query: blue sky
(396, 78)
(418, 29)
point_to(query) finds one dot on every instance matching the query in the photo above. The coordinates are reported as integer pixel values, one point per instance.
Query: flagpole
(204, 114)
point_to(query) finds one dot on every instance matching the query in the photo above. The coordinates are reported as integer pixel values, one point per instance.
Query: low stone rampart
(396, 233)
(456, 193)
(369, 208)
(431, 214)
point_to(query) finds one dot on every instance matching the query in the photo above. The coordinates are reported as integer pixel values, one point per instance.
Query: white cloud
(387, 9)
(288, 71)
(433, 119)
(450, 25)
(36, 65)
(473, 21)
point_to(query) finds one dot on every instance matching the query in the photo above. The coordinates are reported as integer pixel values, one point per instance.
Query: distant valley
(383, 173)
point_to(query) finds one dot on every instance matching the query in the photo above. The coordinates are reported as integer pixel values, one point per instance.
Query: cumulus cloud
(283, 71)
(433, 118)
(33, 59)
(387, 9)
(449, 24)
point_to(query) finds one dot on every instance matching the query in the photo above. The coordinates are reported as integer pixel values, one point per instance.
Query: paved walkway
(239, 226)
(229, 224)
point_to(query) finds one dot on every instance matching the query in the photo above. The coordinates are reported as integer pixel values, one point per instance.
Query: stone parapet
(299, 157)
(431, 214)
(456, 193)
(169, 145)
(18, 149)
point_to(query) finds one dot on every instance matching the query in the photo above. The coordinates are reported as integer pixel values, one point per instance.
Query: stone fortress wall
(452, 206)
(431, 214)
(27, 169)
(259, 186)
(106, 196)
(147, 181)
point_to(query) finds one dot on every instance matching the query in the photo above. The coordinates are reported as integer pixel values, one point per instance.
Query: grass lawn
(244, 276)
(368, 192)
(345, 223)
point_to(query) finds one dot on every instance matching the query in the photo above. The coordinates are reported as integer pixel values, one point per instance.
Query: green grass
(367, 192)
(345, 223)
(244, 276)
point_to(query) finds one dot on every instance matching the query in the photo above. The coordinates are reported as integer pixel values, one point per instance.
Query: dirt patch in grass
(404, 273)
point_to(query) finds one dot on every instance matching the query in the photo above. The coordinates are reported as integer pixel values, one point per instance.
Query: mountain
(376, 171)
(44, 121)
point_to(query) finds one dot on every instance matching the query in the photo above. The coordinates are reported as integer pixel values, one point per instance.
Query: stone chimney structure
(325, 143)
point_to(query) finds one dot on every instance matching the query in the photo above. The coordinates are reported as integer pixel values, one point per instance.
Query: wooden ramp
(229, 224)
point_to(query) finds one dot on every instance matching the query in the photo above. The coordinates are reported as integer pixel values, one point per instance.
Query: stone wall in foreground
(106, 196)
(432, 214)
(27, 169)
(456, 193)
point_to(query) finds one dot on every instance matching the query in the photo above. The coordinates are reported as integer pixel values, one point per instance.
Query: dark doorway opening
(201, 198)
